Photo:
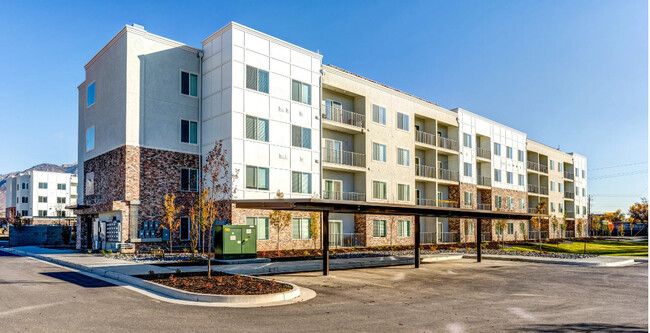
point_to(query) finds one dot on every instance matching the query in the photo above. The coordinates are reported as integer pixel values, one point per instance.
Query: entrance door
(335, 233)
(417, 196)
(439, 232)
(333, 190)
(333, 151)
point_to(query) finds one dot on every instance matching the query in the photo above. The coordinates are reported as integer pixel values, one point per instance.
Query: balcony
(426, 138)
(568, 175)
(445, 174)
(483, 153)
(533, 188)
(425, 171)
(344, 117)
(448, 204)
(346, 240)
(537, 167)
(426, 202)
(483, 181)
(569, 195)
(447, 143)
(543, 190)
(342, 157)
(346, 196)
(570, 215)
(483, 206)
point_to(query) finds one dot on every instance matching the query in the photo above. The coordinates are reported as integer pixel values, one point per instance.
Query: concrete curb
(624, 262)
(171, 292)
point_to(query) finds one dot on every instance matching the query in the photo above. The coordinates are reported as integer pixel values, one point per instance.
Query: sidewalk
(600, 261)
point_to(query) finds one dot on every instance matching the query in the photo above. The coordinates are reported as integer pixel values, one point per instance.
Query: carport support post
(326, 243)
(416, 228)
(478, 239)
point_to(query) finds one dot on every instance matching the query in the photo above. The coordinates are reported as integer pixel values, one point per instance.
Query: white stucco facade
(42, 195)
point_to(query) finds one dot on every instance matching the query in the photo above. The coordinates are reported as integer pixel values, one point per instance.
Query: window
(511, 202)
(300, 228)
(583, 191)
(497, 149)
(25, 213)
(403, 121)
(511, 228)
(60, 200)
(189, 180)
(522, 204)
(60, 186)
(520, 154)
(509, 177)
(90, 183)
(499, 229)
(469, 198)
(188, 131)
(379, 114)
(42, 199)
(560, 207)
(379, 228)
(522, 228)
(559, 187)
(300, 182)
(467, 169)
(508, 152)
(497, 200)
(258, 129)
(583, 173)
(469, 228)
(378, 190)
(521, 180)
(403, 157)
(378, 152)
(257, 178)
(497, 175)
(90, 95)
(42, 185)
(552, 186)
(257, 79)
(25, 199)
(300, 137)
(185, 228)
(403, 192)
(467, 140)
(403, 228)
(261, 224)
(42, 213)
(552, 206)
(300, 92)
(584, 210)
(90, 139)
(552, 165)
(577, 172)
(189, 84)
(559, 166)
(25, 186)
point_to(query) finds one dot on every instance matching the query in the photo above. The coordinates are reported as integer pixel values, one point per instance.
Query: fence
(41, 235)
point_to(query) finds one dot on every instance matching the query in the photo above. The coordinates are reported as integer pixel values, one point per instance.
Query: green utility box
(235, 241)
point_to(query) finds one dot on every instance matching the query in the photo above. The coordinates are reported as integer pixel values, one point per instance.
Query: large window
(467, 140)
(508, 152)
(403, 157)
(42, 199)
(379, 228)
(522, 204)
(60, 186)
(262, 226)
(42, 185)
(469, 198)
(497, 175)
(467, 169)
(300, 137)
(497, 201)
(378, 190)
(257, 79)
(511, 228)
(90, 95)
(90, 139)
(300, 92)
(509, 177)
(257, 128)
(60, 200)
(378, 152)
(497, 149)
(520, 155)
(379, 114)
(257, 178)
(188, 131)
(185, 228)
(404, 228)
(521, 180)
(300, 228)
(189, 84)
(469, 228)
(25, 199)
(42, 213)
(403, 121)
(300, 182)
(403, 192)
(189, 179)
(511, 202)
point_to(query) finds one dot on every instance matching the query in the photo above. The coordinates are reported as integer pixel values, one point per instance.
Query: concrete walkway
(600, 261)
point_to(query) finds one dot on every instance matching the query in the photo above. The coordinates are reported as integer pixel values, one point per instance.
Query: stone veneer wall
(363, 224)
(455, 194)
(109, 179)
(462, 225)
(517, 195)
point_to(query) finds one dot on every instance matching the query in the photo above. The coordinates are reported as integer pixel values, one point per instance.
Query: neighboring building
(150, 107)
(41, 197)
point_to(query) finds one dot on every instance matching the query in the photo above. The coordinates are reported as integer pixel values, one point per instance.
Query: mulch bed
(222, 284)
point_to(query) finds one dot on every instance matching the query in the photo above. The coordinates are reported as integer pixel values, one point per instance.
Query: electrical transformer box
(235, 241)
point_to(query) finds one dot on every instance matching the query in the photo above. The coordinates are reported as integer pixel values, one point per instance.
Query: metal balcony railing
(425, 137)
(448, 237)
(570, 215)
(483, 206)
(426, 202)
(427, 237)
(483, 153)
(486, 236)
(344, 116)
(448, 204)
(448, 174)
(543, 190)
(346, 240)
(543, 168)
(569, 195)
(484, 181)
(568, 175)
(425, 171)
(347, 196)
(447, 143)
(344, 157)
(532, 188)
(537, 167)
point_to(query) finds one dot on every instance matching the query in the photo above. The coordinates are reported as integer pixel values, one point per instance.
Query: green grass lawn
(606, 248)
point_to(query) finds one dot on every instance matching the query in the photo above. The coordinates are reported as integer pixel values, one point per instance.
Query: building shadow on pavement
(580, 327)
(78, 279)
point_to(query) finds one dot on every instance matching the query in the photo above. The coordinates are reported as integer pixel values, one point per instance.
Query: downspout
(200, 133)
(320, 149)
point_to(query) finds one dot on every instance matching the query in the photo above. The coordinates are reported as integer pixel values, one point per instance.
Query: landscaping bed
(218, 284)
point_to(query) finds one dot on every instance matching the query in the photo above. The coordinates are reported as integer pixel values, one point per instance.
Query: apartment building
(41, 197)
(151, 108)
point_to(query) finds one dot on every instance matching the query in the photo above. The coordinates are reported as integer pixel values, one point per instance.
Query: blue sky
(572, 74)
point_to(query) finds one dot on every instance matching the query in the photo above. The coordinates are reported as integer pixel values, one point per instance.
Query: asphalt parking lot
(460, 296)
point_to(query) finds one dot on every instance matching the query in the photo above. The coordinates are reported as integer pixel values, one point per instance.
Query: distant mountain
(67, 168)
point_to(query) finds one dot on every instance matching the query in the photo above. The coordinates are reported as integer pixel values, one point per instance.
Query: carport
(353, 207)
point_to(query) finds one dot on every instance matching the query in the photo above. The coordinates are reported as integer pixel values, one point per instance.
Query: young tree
(501, 227)
(555, 223)
(281, 220)
(193, 214)
(580, 226)
(218, 183)
(314, 226)
(170, 216)
(596, 226)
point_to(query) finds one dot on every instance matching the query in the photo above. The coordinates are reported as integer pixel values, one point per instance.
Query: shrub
(219, 279)
(109, 252)
(102, 252)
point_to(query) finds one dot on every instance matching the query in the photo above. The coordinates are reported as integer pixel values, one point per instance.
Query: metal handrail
(347, 196)
(569, 195)
(428, 237)
(533, 188)
(484, 181)
(346, 240)
(425, 171)
(543, 190)
(342, 116)
(537, 167)
(568, 175)
(483, 206)
(426, 202)
(447, 143)
(483, 153)
(448, 237)
(448, 174)
(425, 137)
(570, 215)
(448, 204)
(343, 157)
